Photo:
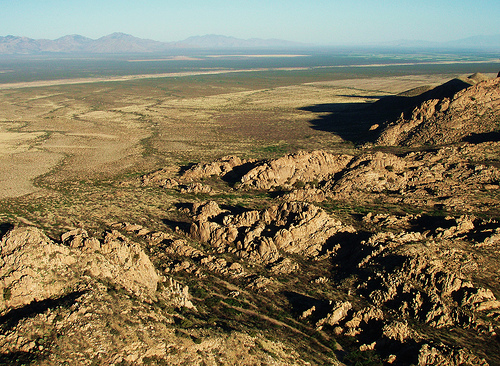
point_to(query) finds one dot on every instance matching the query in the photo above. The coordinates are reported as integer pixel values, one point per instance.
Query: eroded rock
(439, 121)
(295, 169)
(297, 228)
(34, 268)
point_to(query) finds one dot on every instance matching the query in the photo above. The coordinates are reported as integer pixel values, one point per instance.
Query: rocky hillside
(410, 279)
(381, 257)
(471, 113)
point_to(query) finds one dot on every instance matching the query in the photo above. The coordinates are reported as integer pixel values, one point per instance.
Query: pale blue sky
(312, 21)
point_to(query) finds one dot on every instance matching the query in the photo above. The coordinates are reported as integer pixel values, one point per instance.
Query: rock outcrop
(261, 236)
(472, 111)
(447, 177)
(34, 268)
(218, 168)
(295, 169)
(397, 261)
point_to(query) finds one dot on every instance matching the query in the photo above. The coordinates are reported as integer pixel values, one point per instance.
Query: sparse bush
(186, 323)
(366, 358)
(7, 294)
(299, 184)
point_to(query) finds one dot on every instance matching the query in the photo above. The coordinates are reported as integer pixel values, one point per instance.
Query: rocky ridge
(472, 111)
(407, 274)
(35, 268)
(292, 228)
(413, 274)
(90, 301)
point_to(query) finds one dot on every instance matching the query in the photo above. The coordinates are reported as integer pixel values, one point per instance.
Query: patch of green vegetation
(198, 292)
(272, 149)
(212, 301)
(365, 358)
(235, 302)
(7, 294)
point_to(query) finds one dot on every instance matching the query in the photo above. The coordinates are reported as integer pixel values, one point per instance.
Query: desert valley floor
(251, 219)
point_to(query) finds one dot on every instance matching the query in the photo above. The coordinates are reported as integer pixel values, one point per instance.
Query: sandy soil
(36, 84)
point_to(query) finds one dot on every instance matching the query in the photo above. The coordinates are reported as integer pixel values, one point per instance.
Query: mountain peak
(117, 35)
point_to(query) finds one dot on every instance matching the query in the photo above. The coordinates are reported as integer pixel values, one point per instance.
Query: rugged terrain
(382, 253)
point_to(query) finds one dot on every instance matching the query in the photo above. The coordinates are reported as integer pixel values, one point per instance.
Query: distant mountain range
(125, 43)
(117, 43)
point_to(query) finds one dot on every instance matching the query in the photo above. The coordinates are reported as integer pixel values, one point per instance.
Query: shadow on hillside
(13, 317)
(477, 138)
(235, 175)
(21, 358)
(300, 303)
(5, 228)
(352, 121)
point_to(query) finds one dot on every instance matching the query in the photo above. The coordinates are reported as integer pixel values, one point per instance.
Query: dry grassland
(68, 147)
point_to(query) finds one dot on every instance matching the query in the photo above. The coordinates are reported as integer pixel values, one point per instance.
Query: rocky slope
(89, 301)
(391, 286)
(471, 112)
(415, 286)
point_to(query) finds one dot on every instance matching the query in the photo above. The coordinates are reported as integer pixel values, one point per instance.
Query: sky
(322, 22)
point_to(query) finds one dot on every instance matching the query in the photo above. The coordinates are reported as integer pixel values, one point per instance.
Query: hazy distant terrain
(119, 43)
(309, 63)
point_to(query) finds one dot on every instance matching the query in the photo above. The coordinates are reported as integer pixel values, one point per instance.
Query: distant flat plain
(72, 119)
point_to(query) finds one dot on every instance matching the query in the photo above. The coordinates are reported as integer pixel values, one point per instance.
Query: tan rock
(196, 188)
(219, 167)
(397, 330)
(285, 266)
(297, 228)
(35, 268)
(339, 312)
(445, 355)
(295, 169)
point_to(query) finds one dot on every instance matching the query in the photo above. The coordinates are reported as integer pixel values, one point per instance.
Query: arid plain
(251, 217)
(72, 135)
(95, 130)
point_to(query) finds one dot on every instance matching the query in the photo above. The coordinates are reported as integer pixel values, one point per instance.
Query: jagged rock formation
(472, 111)
(447, 177)
(295, 169)
(49, 288)
(406, 271)
(406, 276)
(395, 283)
(274, 278)
(35, 269)
(219, 168)
(262, 236)
(444, 177)
(452, 177)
